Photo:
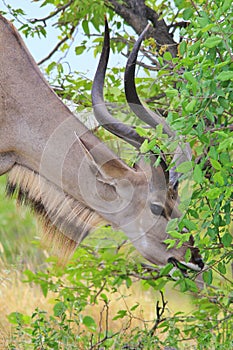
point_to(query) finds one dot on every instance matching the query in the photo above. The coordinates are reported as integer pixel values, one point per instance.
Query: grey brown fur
(66, 222)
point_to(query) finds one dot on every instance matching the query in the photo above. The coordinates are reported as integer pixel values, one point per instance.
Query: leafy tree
(187, 77)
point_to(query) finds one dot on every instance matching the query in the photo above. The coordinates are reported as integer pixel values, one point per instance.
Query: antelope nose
(199, 262)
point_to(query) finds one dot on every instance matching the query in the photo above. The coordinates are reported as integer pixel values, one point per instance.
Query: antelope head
(153, 199)
(73, 180)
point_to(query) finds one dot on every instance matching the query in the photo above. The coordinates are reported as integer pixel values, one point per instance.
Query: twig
(57, 46)
(147, 53)
(230, 127)
(182, 24)
(173, 19)
(99, 291)
(195, 7)
(120, 245)
(145, 278)
(44, 19)
(159, 312)
(141, 64)
(154, 98)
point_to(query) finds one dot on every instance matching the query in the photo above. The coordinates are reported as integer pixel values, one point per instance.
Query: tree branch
(55, 49)
(132, 13)
(54, 13)
(159, 313)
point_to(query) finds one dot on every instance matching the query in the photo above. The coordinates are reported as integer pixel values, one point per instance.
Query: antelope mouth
(186, 267)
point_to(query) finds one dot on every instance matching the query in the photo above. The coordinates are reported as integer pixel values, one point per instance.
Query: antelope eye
(156, 209)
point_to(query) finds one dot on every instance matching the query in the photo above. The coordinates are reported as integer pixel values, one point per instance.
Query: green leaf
(188, 255)
(170, 243)
(141, 131)
(208, 276)
(227, 239)
(165, 270)
(215, 164)
(128, 282)
(182, 284)
(115, 91)
(158, 160)
(44, 288)
(182, 47)
(134, 307)
(85, 25)
(59, 309)
(188, 76)
(167, 56)
(160, 284)
(222, 268)
(208, 27)
(223, 102)
(190, 106)
(213, 193)
(171, 93)
(197, 174)
(226, 5)
(30, 275)
(80, 49)
(184, 167)
(16, 318)
(175, 234)
(218, 178)
(226, 144)
(89, 322)
(120, 314)
(212, 41)
(225, 75)
(144, 147)
(104, 297)
(187, 14)
(191, 285)
(195, 47)
(190, 225)
(50, 67)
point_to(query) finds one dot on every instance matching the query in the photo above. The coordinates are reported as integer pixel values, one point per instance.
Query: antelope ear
(108, 171)
(115, 168)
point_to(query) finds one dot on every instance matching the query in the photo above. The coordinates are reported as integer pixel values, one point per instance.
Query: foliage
(93, 279)
(195, 92)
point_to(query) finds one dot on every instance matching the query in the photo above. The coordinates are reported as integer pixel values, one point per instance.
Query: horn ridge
(101, 113)
(132, 98)
(151, 118)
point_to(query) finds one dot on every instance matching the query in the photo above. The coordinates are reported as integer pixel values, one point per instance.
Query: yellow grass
(25, 298)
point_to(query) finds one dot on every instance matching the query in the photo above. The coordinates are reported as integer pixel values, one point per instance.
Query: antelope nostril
(199, 262)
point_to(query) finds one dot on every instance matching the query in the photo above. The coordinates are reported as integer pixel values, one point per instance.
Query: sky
(40, 48)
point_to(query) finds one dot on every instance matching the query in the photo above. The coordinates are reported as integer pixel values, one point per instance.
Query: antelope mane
(66, 221)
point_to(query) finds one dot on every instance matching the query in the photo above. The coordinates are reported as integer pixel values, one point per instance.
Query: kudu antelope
(71, 178)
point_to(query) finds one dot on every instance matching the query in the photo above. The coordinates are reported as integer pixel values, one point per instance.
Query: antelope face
(142, 205)
(147, 229)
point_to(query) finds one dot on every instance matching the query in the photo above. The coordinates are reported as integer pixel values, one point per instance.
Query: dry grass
(16, 295)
